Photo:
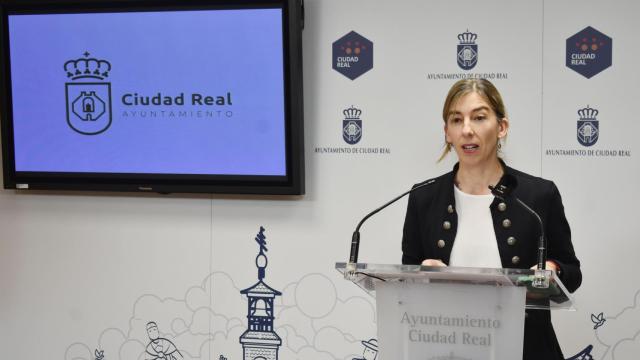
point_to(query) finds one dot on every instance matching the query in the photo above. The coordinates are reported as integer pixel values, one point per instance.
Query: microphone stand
(350, 270)
(541, 275)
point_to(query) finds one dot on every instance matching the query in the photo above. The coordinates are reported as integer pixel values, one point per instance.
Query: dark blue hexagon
(352, 55)
(589, 52)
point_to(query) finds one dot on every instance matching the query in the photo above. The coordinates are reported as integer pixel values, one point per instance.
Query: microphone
(504, 189)
(355, 238)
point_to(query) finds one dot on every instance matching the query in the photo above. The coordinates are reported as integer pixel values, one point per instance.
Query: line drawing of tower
(260, 341)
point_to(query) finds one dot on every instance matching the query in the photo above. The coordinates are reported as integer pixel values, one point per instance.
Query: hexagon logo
(352, 55)
(589, 52)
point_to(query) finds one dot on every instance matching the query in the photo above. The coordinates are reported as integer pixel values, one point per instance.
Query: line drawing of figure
(370, 351)
(160, 348)
(99, 354)
(598, 320)
(583, 355)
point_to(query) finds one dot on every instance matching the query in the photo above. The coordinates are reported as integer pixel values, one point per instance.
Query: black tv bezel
(291, 184)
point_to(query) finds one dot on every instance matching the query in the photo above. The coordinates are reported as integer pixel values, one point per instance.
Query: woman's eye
(480, 118)
(455, 120)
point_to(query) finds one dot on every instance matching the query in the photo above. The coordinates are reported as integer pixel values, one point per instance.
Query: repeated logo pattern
(467, 50)
(588, 127)
(589, 52)
(352, 125)
(352, 55)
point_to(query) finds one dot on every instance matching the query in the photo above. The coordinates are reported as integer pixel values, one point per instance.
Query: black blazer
(430, 229)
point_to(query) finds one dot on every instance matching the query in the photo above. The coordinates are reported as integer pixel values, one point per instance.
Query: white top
(475, 244)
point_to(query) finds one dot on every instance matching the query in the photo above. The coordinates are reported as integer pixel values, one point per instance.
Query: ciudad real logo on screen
(135, 99)
(89, 99)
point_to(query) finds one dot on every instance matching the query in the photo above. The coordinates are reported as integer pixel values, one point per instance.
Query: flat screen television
(152, 95)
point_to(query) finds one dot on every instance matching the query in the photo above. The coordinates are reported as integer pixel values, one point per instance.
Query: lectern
(453, 313)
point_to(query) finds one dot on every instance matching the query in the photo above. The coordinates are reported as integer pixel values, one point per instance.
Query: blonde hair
(482, 87)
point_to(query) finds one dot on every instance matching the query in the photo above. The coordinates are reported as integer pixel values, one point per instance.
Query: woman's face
(473, 130)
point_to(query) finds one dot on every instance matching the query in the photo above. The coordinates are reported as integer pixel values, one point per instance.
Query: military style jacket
(430, 230)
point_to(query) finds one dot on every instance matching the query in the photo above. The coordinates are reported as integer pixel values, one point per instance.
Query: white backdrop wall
(81, 272)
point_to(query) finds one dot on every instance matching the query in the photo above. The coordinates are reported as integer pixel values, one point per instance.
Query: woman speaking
(456, 221)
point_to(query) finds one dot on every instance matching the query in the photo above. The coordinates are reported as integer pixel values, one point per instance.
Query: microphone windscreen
(505, 186)
(510, 182)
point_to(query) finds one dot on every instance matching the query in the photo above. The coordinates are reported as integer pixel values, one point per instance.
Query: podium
(453, 313)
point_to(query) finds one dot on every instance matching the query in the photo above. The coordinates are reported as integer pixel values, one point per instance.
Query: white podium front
(433, 313)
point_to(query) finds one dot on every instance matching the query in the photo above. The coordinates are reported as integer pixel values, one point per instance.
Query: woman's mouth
(470, 148)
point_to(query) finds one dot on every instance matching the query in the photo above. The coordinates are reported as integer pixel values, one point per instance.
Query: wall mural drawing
(260, 342)
(160, 348)
(221, 320)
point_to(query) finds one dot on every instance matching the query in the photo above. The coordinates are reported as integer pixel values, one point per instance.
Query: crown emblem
(467, 38)
(87, 67)
(587, 113)
(352, 113)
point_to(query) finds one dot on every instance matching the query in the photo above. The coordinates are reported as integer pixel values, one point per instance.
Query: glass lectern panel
(555, 296)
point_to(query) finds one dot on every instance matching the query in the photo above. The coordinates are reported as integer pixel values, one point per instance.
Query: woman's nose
(466, 127)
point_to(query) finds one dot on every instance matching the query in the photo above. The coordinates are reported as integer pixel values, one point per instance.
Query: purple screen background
(208, 52)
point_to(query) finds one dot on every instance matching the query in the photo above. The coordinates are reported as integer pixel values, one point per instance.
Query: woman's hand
(549, 265)
(433, 262)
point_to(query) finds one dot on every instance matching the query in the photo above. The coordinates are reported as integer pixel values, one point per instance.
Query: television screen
(153, 96)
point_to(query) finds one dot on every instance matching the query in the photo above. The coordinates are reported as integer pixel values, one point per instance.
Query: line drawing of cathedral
(259, 341)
